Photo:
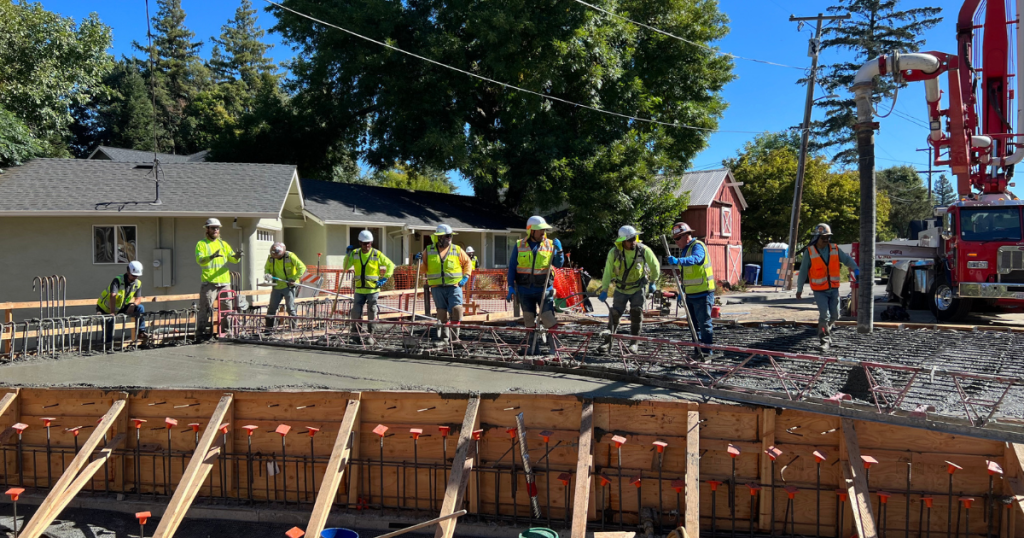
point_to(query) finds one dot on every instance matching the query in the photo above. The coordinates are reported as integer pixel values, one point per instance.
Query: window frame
(115, 227)
(510, 240)
(726, 215)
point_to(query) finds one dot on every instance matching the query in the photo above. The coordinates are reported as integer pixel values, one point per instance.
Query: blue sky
(762, 98)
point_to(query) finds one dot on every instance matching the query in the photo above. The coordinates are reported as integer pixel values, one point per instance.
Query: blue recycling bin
(774, 256)
(750, 273)
(338, 533)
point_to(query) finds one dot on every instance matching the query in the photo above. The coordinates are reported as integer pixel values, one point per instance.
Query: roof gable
(704, 185)
(123, 155)
(348, 203)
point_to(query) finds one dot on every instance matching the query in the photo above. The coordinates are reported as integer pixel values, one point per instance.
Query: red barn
(715, 209)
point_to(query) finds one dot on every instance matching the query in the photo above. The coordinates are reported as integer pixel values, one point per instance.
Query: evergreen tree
(909, 197)
(180, 74)
(944, 192)
(239, 53)
(877, 27)
(122, 117)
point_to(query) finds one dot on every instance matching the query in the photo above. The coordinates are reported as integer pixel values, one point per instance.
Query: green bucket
(539, 532)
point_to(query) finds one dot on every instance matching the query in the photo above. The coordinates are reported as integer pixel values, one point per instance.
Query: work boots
(636, 319)
(613, 325)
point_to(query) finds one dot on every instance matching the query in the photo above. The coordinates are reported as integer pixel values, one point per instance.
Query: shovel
(686, 308)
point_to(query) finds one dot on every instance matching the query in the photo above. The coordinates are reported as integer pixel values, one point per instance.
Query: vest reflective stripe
(287, 269)
(123, 295)
(532, 270)
(698, 278)
(365, 279)
(445, 272)
(214, 271)
(824, 277)
(638, 270)
(475, 261)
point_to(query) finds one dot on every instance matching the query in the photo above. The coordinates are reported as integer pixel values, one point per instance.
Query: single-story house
(121, 155)
(86, 219)
(715, 213)
(401, 221)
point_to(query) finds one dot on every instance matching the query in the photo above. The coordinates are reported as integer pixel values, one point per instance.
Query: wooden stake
(462, 464)
(584, 462)
(335, 470)
(192, 479)
(856, 483)
(418, 526)
(692, 493)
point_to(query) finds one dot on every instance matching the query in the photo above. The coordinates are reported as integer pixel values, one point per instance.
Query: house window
(726, 221)
(114, 244)
(503, 245)
(378, 236)
(264, 235)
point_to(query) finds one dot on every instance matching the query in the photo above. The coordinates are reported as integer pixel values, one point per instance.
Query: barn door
(734, 263)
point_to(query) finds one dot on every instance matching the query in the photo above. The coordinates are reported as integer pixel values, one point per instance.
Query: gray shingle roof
(58, 186)
(122, 155)
(703, 186)
(345, 202)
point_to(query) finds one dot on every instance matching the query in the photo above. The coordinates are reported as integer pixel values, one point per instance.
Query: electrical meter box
(163, 262)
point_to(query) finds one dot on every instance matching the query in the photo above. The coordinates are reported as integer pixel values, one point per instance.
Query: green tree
(180, 76)
(17, 144)
(239, 53)
(908, 195)
(48, 65)
(876, 27)
(767, 168)
(944, 192)
(404, 177)
(532, 153)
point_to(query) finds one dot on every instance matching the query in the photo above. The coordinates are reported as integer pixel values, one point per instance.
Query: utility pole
(929, 172)
(814, 47)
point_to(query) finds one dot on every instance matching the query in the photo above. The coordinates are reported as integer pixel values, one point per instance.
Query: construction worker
(284, 269)
(213, 254)
(698, 281)
(372, 269)
(529, 268)
(634, 269)
(123, 296)
(448, 269)
(472, 257)
(820, 264)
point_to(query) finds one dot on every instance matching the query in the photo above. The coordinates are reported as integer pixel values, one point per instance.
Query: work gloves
(511, 292)
(216, 255)
(672, 260)
(291, 283)
(463, 281)
(350, 248)
(679, 301)
(381, 282)
(239, 253)
(603, 296)
(418, 256)
(856, 273)
(557, 243)
(651, 287)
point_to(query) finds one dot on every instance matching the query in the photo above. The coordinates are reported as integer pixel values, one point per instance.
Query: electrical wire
(684, 40)
(505, 84)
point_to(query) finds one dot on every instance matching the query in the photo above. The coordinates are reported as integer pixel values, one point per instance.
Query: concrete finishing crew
(634, 269)
(448, 269)
(213, 254)
(820, 264)
(287, 268)
(698, 281)
(124, 296)
(371, 271)
(528, 269)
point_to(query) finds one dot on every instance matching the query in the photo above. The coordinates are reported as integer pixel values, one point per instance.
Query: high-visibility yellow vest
(125, 295)
(532, 266)
(475, 261)
(214, 270)
(290, 267)
(447, 271)
(698, 278)
(366, 274)
(823, 277)
(632, 275)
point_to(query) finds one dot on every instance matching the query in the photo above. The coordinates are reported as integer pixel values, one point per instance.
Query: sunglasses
(448, 236)
(366, 243)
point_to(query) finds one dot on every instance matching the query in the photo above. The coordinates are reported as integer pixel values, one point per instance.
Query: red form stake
(950, 468)
(20, 428)
(993, 470)
(13, 493)
(678, 485)
(928, 518)
(295, 532)
(49, 468)
(843, 495)
(380, 430)
(565, 479)
(142, 517)
(619, 441)
(883, 509)
(773, 453)
(604, 482)
(733, 452)
(965, 502)
(660, 446)
(445, 432)
(138, 454)
(791, 492)
(416, 432)
(714, 501)
(312, 456)
(546, 436)
(819, 456)
(248, 459)
(168, 459)
(754, 488)
(282, 430)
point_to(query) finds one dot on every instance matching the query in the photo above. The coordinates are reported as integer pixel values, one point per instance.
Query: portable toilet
(775, 255)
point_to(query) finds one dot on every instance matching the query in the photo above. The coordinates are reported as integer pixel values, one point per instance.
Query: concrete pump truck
(975, 257)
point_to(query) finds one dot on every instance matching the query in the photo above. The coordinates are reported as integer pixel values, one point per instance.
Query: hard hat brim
(621, 239)
(442, 233)
(544, 226)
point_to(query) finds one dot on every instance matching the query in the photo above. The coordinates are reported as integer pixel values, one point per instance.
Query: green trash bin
(539, 532)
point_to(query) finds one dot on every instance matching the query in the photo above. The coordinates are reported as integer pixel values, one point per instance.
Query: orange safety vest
(823, 278)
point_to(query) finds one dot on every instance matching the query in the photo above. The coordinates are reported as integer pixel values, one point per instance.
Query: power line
(504, 84)
(684, 40)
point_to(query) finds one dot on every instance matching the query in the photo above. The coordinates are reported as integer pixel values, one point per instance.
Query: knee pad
(442, 316)
(530, 319)
(457, 313)
(548, 319)
(636, 313)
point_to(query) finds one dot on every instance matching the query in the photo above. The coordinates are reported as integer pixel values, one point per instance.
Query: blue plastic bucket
(339, 533)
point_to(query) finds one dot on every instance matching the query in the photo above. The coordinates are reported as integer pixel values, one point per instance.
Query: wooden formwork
(702, 441)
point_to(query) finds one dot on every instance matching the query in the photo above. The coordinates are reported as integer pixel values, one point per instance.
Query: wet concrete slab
(257, 367)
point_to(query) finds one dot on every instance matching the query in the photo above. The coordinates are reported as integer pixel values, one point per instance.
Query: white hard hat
(444, 229)
(365, 236)
(469, 250)
(537, 222)
(823, 229)
(277, 249)
(212, 222)
(626, 233)
(135, 268)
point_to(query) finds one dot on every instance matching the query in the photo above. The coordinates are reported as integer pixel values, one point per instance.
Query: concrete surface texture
(255, 367)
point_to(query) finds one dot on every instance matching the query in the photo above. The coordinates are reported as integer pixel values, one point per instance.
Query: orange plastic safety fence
(569, 286)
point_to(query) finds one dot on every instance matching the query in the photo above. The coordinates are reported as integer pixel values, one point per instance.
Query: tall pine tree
(239, 53)
(944, 193)
(180, 74)
(876, 27)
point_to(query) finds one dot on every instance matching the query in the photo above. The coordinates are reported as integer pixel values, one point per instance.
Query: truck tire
(944, 305)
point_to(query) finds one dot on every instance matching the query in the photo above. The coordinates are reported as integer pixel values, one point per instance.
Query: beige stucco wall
(307, 241)
(64, 246)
